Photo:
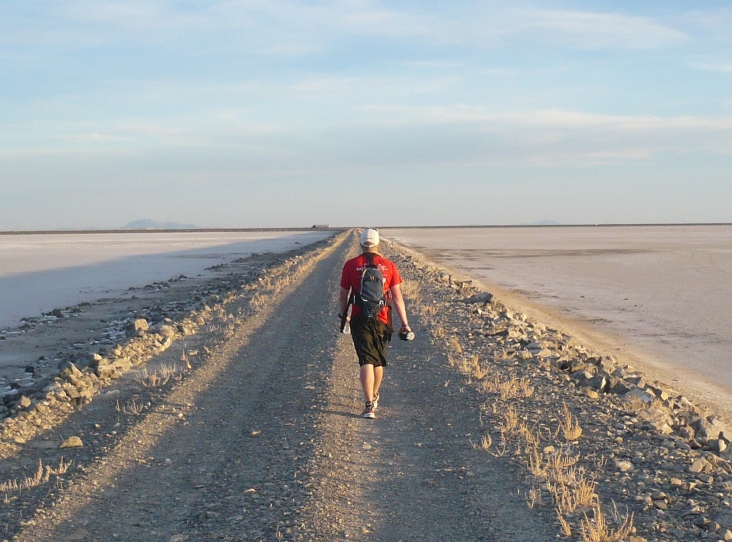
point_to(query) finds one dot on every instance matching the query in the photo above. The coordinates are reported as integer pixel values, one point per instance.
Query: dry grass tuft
(568, 499)
(569, 425)
(453, 343)
(163, 374)
(486, 444)
(534, 498)
(133, 407)
(596, 529)
(470, 367)
(510, 421)
(511, 388)
(564, 525)
(42, 476)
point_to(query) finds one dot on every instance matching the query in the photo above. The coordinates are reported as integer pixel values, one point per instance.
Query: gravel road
(262, 441)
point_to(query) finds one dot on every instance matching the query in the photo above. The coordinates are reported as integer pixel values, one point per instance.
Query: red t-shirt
(351, 278)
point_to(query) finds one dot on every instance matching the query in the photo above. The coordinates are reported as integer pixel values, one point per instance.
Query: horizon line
(341, 228)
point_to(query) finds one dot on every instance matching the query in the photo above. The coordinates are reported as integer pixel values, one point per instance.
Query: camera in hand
(406, 335)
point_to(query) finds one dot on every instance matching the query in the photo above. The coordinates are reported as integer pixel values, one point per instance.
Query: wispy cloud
(293, 27)
(596, 30)
(720, 67)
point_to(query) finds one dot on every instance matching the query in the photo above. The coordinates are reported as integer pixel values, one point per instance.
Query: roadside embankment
(603, 447)
(98, 344)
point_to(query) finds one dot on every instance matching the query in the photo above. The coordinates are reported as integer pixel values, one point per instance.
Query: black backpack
(371, 298)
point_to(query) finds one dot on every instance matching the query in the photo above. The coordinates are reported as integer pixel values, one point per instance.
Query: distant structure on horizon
(145, 224)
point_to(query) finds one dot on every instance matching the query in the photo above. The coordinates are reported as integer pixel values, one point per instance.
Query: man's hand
(406, 333)
(344, 320)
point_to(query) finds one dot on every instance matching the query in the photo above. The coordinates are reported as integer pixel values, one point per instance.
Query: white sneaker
(368, 412)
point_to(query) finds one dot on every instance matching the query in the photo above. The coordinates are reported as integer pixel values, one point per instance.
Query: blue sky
(289, 113)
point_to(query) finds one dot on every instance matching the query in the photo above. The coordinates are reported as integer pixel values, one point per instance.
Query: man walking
(371, 332)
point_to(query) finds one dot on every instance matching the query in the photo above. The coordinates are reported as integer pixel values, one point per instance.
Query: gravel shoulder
(257, 436)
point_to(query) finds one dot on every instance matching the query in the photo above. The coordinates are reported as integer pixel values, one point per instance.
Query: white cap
(369, 237)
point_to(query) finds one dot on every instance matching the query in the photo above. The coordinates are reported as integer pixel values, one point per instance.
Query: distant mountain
(547, 222)
(145, 224)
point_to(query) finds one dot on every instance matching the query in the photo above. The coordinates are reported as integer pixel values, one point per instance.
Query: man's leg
(368, 380)
(378, 377)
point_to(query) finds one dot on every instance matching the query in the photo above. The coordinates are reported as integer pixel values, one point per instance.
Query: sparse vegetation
(42, 475)
(596, 528)
(551, 457)
(510, 388)
(569, 425)
(160, 376)
(133, 407)
(453, 344)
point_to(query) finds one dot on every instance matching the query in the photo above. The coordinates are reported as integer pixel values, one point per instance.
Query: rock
(598, 382)
(10, 396)
(67, 369)
(705, 478)
(724, 519)
(98, 362)
(107, 371)
(638, 395)
(581, 377)
(186, 328)
(656, 418)
(624, 465)
(716, 445)
(122, 364)
(592, 394)
(658, 392)
(483, 297)
(606, 365)
(167, 331)
(709, 428)
(699, 465)
(577, 365)
(617, 386)
(137, 328)
(72, 442)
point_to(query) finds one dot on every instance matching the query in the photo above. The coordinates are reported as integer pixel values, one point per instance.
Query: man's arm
(343, 306)
(343, 300)
(398, 300)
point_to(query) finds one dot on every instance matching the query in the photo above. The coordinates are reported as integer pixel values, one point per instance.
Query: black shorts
(369, 338)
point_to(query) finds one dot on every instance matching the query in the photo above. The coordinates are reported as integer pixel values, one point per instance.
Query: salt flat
(41, 272)
(657, 296)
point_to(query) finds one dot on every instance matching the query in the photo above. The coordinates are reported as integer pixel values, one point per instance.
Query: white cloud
(602, 30)
(717, 67)
(289, 28)
(553, 138)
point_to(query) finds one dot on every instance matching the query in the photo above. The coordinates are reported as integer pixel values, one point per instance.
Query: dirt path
(263, 442)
